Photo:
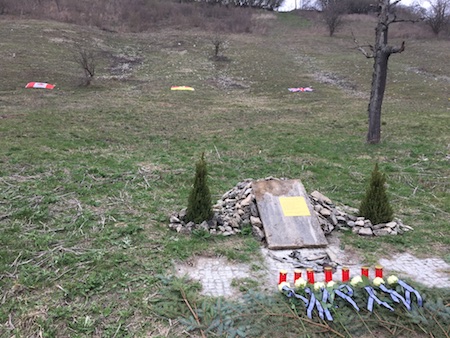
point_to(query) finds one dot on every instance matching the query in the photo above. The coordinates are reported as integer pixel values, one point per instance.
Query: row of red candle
(329, 274)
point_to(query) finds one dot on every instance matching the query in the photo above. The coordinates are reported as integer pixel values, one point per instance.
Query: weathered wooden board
(287, 215)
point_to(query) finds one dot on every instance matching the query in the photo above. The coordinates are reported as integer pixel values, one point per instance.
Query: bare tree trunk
(380, 52)
(379, 78)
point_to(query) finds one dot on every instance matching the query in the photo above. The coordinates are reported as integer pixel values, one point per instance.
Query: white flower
(319, 285)
(377, 281)
(300, 283)
(282, 284)
(392, 279)
(330, 284)
(356, 280)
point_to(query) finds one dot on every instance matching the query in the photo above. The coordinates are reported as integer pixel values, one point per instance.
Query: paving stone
(216, 273)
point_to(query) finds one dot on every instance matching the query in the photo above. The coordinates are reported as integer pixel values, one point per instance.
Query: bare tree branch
(361, 48)
(396, 49)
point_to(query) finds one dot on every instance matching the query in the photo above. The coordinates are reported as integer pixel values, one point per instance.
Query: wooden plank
(287, 215)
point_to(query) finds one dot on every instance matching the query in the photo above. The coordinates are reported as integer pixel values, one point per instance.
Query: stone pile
(236, 210)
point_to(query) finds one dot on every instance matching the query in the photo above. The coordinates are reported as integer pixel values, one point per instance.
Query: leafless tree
(217, 41)
(87, 60)
(438, 16)
(332, 12)
(380, 52)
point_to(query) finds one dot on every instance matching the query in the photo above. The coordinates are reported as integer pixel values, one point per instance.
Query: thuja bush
(199, 203)
(375, 204)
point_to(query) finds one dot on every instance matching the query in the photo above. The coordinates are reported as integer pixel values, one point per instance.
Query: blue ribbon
(325, 296)
(309, 303)
(291, 293)
(373, 297)
(408, 290)
(349, 289)
(312, 304)
(395, 296)
(348, 296)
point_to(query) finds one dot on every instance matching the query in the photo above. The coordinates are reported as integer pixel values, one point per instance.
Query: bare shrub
(219, 45)
(438, 16)
(332, 12)
(87, 61)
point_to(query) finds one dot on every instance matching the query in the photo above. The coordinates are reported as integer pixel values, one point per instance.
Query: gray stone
(359, 223)
(321, 198)
(256, 221)
(378, 226)
(325, 212)
(184, 230)
(254, 210)
(234, 222)
(174, 219)
(351, 218)
(365, 232)
(204, 225)
(333, 219)
(351, 224)
(381, 232)
(391, 225)
(247, 200)
(258, 233)
(367, 224)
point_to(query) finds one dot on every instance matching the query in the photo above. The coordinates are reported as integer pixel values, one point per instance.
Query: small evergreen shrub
(199, 204)
(375, 205)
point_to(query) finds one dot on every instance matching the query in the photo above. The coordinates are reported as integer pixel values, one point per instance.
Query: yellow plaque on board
(294, 206)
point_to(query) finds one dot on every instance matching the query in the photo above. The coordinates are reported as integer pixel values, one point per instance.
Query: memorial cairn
(237, 209)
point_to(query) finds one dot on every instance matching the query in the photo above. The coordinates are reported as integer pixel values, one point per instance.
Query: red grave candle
(365, 271)
(310, 275)
(379, 271)
(297, 274)
(283, 276)
(345, 274)
(328, 274)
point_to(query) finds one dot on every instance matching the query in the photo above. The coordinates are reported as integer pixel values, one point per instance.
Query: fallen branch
(192, 311)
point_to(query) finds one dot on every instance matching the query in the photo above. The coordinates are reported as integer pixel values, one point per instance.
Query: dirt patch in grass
(124, 64)
(225, 82)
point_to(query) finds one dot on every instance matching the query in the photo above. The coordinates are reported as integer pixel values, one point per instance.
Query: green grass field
(89, 176)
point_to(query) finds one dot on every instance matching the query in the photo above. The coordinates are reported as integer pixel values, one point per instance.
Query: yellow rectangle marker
(294, 206)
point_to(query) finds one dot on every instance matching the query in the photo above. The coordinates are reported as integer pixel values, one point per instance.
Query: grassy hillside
(89, 176)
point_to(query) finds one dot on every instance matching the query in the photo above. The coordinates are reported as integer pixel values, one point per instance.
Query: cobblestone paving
(433, 272)
(216, 274)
